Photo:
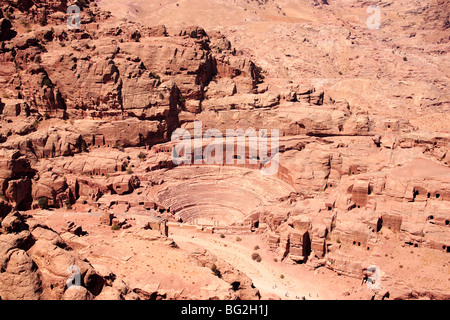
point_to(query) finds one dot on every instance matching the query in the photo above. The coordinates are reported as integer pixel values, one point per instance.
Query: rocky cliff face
(87, 114)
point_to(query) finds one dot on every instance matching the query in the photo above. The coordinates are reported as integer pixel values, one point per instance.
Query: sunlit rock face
(347, 171)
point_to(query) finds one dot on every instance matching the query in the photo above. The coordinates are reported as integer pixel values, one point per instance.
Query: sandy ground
(154, 265)
(266, 275)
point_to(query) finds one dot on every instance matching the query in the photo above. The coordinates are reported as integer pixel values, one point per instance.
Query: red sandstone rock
(86, 118)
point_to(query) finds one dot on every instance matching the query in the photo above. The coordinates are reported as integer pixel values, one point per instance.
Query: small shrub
(282, 276)
(43, 21)
(129, 171)
(215, 271)
(401, 266)
(82, 3)
(43, 203)
(222, 235)
(46, 82)
(256, 257)
(275, 259)
(238, 239)
(83, 146)
(42, 47)
(256, 247)
(141, 155)
(24, 23)
(68, 205)
(154, 76)
(46, 116)
(115, 227)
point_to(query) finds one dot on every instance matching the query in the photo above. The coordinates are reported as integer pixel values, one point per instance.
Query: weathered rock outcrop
(86, 118)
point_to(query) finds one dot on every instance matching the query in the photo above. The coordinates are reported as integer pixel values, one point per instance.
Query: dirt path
(265, 274)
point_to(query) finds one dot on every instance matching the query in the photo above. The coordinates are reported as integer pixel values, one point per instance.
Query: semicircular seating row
(227, 200)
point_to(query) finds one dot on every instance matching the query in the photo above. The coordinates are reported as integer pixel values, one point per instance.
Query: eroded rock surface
(86, 171)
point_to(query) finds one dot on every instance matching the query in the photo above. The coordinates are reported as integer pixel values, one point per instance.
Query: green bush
(118, 145)
(141, 155)
(154, 76)
(46, 82)
(24, 23)
(43, 203)
(43, 21)
(115, 227)
(83, 146)
(215, 271)
(42, 47)
(68, 205)
(35, 123)
(256, 257)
